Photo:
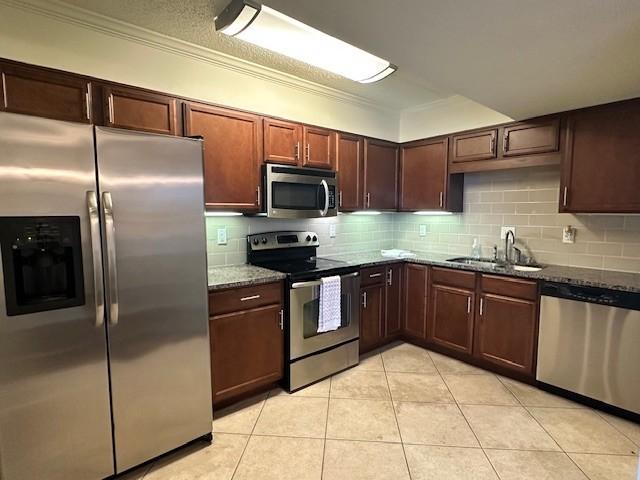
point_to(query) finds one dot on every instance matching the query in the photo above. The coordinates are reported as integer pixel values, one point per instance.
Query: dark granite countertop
(242, 275)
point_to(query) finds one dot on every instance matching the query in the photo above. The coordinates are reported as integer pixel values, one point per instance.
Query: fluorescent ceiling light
(432, 212)
(366, 212)
(223, 214)
(270, 29)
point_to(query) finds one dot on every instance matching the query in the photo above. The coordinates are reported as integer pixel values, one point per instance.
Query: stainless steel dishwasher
(589, 343)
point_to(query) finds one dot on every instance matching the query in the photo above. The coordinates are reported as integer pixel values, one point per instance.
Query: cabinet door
(319, 148)
(380, 175)
(231, 155)
(468, 147)
(350, 167)
(282, 141)
(423, 175)
(601, 170)
(506, 332)
(531, 137)
(415, 300)
(451, 318)
(371, 316)
(43, 93)
(139, 110)
(247, 350)
(393, 300)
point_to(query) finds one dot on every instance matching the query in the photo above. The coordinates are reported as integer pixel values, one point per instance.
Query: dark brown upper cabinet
(137, 109)
(319, 147)
(424, 180)
(601, 166)
(380, 175)
(531, 137)
(350, 167)
(472, 146)
(232, 155)
(282, 141)
(45, 93)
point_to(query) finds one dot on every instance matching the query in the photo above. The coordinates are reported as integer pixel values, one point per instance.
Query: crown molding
(71, 14)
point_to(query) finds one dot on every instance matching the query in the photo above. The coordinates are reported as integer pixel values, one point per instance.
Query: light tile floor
(407, 413)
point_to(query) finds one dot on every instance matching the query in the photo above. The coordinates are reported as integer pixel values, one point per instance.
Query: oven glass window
(297, 196)
(311, 314)
(41, 263)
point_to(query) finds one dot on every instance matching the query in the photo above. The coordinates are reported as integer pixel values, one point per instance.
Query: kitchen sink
(489, 263)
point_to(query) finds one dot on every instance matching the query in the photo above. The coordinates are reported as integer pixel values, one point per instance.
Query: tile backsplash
(524, 198)
(354, 233)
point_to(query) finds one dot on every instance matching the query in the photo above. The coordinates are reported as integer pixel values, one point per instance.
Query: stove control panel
(276, 240)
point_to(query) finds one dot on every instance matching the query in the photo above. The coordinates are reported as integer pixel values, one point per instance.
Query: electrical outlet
(222, 236)
(568, 234)
(423, 230)
(332, 230)
(504, 230)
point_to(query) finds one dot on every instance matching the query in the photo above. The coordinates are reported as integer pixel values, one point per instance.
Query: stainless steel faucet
(506, 245)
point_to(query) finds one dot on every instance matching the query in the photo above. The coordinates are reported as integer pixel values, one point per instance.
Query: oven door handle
(326, 198)
(316, 283)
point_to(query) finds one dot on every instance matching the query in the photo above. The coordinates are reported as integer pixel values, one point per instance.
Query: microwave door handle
(326, 197)
(96, 256)
(110, 237)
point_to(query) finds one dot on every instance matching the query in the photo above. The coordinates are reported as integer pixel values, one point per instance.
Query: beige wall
(528, 200)
(452, 114)
(131, 55)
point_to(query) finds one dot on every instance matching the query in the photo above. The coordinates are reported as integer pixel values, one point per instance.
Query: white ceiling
(520, 57)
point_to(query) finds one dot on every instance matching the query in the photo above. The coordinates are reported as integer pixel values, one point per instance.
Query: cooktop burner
(293, 253)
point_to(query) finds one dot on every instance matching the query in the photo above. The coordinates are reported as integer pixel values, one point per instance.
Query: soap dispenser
(476, 249)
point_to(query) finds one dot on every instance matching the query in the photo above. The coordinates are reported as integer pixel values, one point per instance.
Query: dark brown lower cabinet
(451, 318)
(247, 349)
(371, 316)
(415, 296)
(393, 301)
(380, 305)
(506, 326)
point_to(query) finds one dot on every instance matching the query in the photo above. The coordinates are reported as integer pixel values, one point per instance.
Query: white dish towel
(329, 315)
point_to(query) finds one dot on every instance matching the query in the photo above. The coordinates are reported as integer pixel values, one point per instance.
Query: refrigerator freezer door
(155, 259)
(55, 421)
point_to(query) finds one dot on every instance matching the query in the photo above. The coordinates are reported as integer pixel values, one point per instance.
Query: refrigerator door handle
(96, 255)
(110, 240)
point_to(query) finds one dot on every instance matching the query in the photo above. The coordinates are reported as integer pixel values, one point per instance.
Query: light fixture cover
(270, 29)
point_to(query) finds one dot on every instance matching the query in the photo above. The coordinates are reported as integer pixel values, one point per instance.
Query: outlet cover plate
(222, 236)
(332, 230)
(568, 234)
(504, 230)
(423, 230)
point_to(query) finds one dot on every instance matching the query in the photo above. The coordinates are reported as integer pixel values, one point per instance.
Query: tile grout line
(544, 429)
(395, 416)
(235, 470)
(326, 427)
(600, 414)
(465, 418)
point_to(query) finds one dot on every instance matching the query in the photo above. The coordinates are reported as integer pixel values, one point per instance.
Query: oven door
(304, 302)
(293, 192)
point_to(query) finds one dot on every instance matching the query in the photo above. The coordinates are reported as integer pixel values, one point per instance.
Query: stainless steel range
(309, 355)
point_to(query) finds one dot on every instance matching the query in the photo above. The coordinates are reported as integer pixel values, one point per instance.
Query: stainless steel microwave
(295, 192)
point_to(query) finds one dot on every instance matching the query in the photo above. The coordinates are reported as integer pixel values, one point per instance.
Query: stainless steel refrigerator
(104, 350)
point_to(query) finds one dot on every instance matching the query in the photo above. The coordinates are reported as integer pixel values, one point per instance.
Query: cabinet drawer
(244, 298)
(372, 275)
(455, 278)
(510, 287)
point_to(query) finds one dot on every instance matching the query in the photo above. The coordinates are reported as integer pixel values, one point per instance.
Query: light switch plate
(568, 234)
(332, 230)
(222, 236)
(504, 230)
(423, 230)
